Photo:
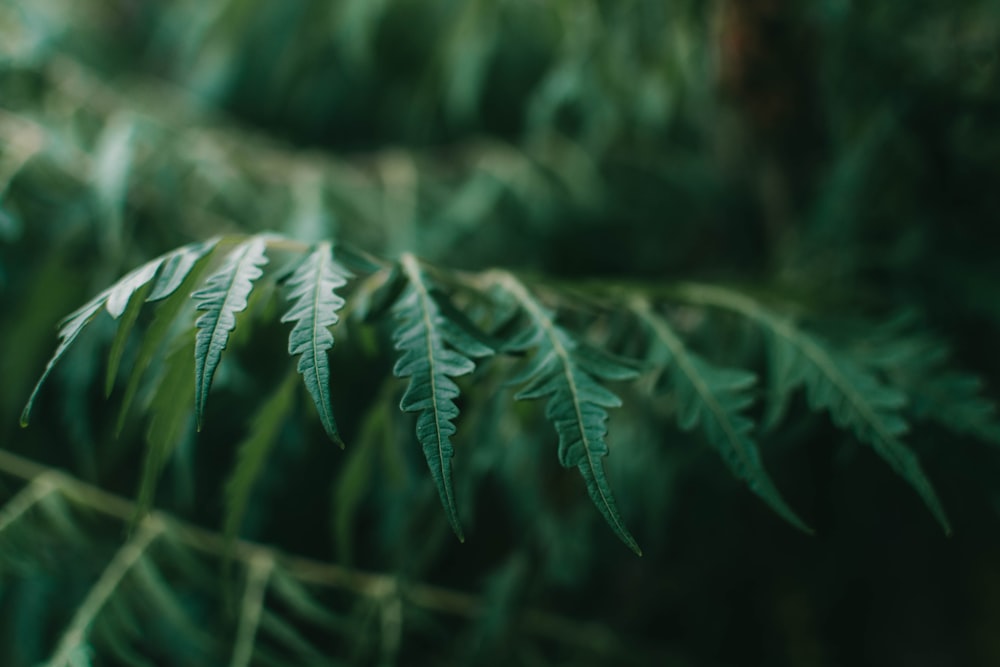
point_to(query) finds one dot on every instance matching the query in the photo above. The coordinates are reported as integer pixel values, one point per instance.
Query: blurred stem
(592, 637)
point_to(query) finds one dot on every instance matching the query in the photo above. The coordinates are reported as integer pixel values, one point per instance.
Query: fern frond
(181, 271)
(434, 351)
(313, 287)
(715, 399)
(224, 295)
(854, 397)
(114, 300)
(568, 372)
(920, 364)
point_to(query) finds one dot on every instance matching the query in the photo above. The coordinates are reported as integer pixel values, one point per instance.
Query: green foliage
(570, 373)
(224, 295)
(716, 399)
(313, 284)
(434, 351)
(817, 169)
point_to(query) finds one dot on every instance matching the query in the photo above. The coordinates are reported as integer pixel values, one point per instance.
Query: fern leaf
(567, 372)
(121, 293)
(434, 351)
(714, 399)
(114, 300)
(854, 397)
(68, 332)
(313, 286)
(921, 365)
(177, 266)
(128, 320)
(181, 271)
(224, 295)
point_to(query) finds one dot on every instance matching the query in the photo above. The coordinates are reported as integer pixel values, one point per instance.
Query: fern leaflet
(715, 399)
(313, 286)
(854, 397)
(434, 351)
(173, 287)
(114, 300)
(569, 372)
(225, 294)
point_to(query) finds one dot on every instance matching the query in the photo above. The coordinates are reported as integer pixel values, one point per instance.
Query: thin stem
(32, 494)
(258, 575)
(120, 565)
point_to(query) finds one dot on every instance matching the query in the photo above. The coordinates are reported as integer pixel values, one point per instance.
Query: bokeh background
(841, 156)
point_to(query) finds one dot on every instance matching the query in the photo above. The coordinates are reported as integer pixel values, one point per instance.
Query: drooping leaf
(713, 399)
(855, 398)
(434, 351)
(115, 299)
(121, 292)
(68, 332)
(127, 321)
(920, 364)
(177, 267)
(313, 287)
(224, 295)
(181, 272)
(567, 372)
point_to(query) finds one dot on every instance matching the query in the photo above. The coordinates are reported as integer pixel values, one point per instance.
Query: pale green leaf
(315, 309)
(68, 332)
(224, 295)
(433, 353)
(181, 271)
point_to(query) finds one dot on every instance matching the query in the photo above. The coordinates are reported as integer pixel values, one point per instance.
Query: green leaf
(68, 332)
(714, 399)
(121, 292)
(313, 287)
(920, 364)
(855, 399)
(433, 352)
(177, 266)
(835, 382)
(252, 453)
(568, 372)
(128, 321)
(224, 295)
(115, 299)
(181, 271)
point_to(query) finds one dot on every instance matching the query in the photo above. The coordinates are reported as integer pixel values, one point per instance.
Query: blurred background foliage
(842, 157)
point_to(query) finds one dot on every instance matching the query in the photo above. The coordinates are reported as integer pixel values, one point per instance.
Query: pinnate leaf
(715, 400)
(434, 351)
(315, 309)
(568, 372)
(225, 294)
